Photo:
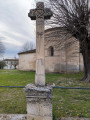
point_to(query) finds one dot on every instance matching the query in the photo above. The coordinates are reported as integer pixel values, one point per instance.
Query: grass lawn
(66, 102)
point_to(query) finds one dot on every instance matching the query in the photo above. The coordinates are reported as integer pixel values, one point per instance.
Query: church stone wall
(27, 61)
(66, 56)
(66, 52)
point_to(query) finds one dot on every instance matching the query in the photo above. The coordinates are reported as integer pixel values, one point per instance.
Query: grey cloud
(2, 38)
(14, 15)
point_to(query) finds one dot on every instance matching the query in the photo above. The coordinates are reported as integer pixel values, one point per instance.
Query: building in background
(61, 53)
(11, 63)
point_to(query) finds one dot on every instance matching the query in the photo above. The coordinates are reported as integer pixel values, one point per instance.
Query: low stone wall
(24, 117)
(13, 117)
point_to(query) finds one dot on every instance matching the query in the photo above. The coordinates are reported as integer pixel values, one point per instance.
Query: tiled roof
(10, 60)
(29, 51)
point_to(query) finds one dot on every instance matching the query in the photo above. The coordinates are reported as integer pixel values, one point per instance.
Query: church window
(51, 51)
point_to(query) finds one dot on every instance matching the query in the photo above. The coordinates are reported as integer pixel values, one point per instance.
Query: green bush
(2, 64)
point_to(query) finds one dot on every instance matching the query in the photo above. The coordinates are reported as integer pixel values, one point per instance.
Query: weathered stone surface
(27, 61)
(38, 118)
(39, 102)
(39, 96)
(37, 88)
(39, 14)
(40, 72)
(27, 117)
(13, 117)
(47, 13)
(40, 80)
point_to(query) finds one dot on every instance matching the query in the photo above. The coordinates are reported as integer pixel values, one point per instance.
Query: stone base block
(39, 102)
(38, 118)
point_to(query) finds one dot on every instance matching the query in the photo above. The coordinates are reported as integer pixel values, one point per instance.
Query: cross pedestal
(39, 96)
(39, 102)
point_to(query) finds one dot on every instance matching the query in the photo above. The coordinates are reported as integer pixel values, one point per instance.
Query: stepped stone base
(13, 117)
(38, 118)
(26, 117)
(39, 102)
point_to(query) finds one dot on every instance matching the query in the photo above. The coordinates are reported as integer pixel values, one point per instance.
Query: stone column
(39, 96)
(40, 60)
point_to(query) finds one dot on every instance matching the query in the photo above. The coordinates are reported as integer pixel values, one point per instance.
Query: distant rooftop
(29, 51)
(10, 60)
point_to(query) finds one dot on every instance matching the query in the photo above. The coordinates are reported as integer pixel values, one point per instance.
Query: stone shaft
(40, 62)
(39, 14)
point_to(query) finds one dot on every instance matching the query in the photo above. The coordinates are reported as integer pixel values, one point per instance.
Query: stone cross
(39, 14)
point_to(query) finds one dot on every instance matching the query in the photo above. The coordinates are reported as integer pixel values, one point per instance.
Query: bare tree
(27, 46)
(74, 15)
(2, 49)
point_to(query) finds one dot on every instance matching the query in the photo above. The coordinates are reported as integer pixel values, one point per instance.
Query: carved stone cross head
(40, 12)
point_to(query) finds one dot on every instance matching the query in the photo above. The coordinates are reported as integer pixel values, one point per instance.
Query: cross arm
(47, 13)
(32, 14)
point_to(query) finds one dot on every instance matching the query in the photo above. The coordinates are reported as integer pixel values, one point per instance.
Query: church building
(61, 53)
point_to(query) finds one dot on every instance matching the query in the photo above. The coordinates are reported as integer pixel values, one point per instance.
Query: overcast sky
(15, 26)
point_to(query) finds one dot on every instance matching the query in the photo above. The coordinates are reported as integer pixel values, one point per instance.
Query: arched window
(51, 51)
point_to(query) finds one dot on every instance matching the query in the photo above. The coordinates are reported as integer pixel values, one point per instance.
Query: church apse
(61, 55)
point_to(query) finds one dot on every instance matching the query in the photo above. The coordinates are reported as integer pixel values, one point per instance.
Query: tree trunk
(86, 60)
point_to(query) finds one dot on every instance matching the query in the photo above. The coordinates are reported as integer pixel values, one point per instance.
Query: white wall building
(11, 63)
